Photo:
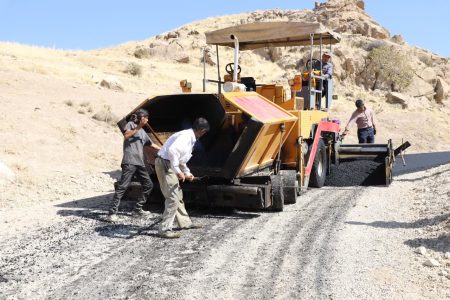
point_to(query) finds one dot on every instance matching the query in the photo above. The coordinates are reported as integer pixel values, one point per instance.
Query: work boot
(141, 213)
(112, 218)
(169, 235)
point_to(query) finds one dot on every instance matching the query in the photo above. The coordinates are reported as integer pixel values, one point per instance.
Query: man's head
(200, 127)
(326, 57)
(141, 113)
(359, 104)
(138, 115)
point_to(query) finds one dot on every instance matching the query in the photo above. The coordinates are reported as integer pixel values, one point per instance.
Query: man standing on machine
(327, 73)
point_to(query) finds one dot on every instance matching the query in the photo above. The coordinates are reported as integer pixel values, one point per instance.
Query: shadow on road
(88, 203)
(421, 161)
(127, 227)
(127, 231)
(438, 244)
(394, 224)
(424, 177)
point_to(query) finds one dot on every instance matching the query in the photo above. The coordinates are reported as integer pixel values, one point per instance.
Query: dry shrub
(68, 102)
(374, 45)
(389, 69)
(142, 52)
(85, 106)
(133, 69)
(426, 59)
(106, 115)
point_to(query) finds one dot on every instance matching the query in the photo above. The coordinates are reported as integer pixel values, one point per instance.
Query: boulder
(441, 89)
(349, 66)
(431, 262)
(360, 4)
(111, 83)
(184, 59)
(419, 87)
(338, 52)
(142, 52)
(378, 33)
(428, 75)
(398, 39)
(275, 54)
(289, 62)
(172, 35)
(5, 173)
(193, 32)
(421, 250)
(398, 98)
(208, 57)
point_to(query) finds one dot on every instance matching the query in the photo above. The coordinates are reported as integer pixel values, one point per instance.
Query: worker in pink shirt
(364, 119)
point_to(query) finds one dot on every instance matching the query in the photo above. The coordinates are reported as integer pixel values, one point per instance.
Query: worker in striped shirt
(365, 120)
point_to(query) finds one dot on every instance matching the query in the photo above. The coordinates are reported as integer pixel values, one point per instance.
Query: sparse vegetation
(68, 102)
(142, 52)
(133, 69)
(85, 107)
(374, 45)
(426, 59)
(388, 69)
(106, 115)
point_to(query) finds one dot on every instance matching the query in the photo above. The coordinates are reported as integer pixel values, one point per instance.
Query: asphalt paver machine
(263, 148)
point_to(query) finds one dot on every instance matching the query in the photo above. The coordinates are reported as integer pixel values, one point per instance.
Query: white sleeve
(174, 153)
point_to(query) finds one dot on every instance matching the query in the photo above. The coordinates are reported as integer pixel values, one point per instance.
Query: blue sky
(83, 24)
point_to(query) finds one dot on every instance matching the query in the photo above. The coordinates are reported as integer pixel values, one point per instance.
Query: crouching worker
(133, 163)
(171, 168)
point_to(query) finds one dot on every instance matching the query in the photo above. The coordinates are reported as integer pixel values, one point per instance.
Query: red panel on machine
(260, 109)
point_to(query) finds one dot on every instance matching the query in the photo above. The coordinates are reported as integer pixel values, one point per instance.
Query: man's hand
(181, 177)
(189, 177)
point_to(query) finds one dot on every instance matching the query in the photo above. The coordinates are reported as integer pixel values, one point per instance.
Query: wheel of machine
(310, 63)
(290, 186)
(319, 168)
(277, 192)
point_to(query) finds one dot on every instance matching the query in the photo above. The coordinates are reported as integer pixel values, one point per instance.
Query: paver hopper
(238, 155)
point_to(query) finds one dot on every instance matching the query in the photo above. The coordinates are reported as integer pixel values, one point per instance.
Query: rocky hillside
(60, 106)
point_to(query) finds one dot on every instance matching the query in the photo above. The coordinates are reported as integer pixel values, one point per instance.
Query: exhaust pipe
(236, 56)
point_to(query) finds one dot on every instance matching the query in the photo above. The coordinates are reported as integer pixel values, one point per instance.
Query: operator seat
(249, 83)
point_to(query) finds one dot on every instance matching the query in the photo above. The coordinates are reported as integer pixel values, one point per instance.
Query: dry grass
(106, 115)
(133, 69)
(69, 103)
(142, 52)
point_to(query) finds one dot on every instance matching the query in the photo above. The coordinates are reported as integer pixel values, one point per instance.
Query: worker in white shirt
(171, 168)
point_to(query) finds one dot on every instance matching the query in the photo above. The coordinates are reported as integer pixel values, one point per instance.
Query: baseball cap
(327, 53)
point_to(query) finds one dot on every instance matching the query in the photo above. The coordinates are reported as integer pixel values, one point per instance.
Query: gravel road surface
(323, 247)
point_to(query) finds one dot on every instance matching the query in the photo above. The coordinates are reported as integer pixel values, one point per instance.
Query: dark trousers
(127, 174)
(366, 135)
